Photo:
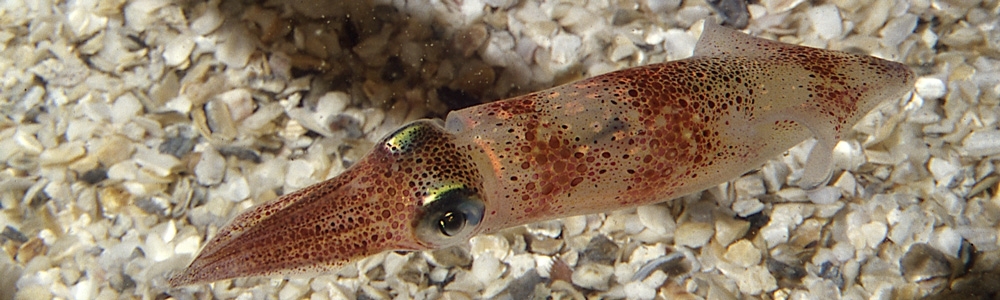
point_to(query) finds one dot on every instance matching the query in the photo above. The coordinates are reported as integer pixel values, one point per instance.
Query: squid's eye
(451, 223)
(449, 216)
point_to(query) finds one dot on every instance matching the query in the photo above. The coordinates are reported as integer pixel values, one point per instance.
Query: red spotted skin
(623, 139)
(653, 133)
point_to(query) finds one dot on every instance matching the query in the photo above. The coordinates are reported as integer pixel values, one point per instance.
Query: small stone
(783, 270)
(582, 21)
(728, 230)
(61, 154)
(876, 15)
(930, 88)
(84, 289)
(178, 50)
(300, 174)
(753, 280)
(869, 235)
(235, 50)
(824, 195)
(793, 194)
(34, 292)
(30, 250)
(239, 102)
(486, 268)
(694, 234)
(779, 6)
(544, 245)
(153, 205)
(600, 250)
(178, 145)
(13, 234)
(898, 29)
(593, 276)
(774, 235)
(565, 51)
(657, 219)
(661, 6)
(621, 48)
(208, 21)
(125, 108)
(947, 240)
(743, 253)
(747, 207)
(922, 263)
(156, 249)
(211, 167)
(489, 245)
(235, 189)
(639, 290)
(501, 4)
(159, 164)
(573, 226)
(468, 40)
(942, 170)
(826, 21)
(750, 186)
(331, 104)
(188, 245)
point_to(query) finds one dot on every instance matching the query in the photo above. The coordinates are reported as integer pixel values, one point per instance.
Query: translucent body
(627, 138)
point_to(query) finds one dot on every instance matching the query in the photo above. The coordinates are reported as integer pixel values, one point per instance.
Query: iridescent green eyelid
(403, 139)
(437, 192)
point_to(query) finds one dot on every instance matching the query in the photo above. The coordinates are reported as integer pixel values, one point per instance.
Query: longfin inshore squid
(633, 137)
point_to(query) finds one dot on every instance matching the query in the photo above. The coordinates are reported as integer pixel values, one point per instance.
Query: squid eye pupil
(451, 223)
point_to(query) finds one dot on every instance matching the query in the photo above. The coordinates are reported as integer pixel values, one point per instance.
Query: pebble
(774, 235)
(825, 19)
(661, 6)
(209, 21)
(869, 235)
(492, 245)
(923, 263)
(750, 186)
(747, 207)
(302, 176)
(694, 234)
(61, 154)
(930, 88)
(657, 219)
(621, 48)
(292, 291)
(743, 253)
(593, 276)
(156, 249)
(824, 195)
(947, 240)
(728, 230)
(753, 280)
(942, 170)
(984, 142)
(639, 290)
(239, 102)
(178, 51)
(898, 29)
(235, 51)
(211, 167)
(565, 51)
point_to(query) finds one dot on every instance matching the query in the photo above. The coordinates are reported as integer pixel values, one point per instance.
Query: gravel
(132, 130)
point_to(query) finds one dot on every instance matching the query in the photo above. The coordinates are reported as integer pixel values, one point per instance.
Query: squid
(623, 139)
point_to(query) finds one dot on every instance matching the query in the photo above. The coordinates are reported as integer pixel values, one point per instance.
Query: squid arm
(623, 139)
